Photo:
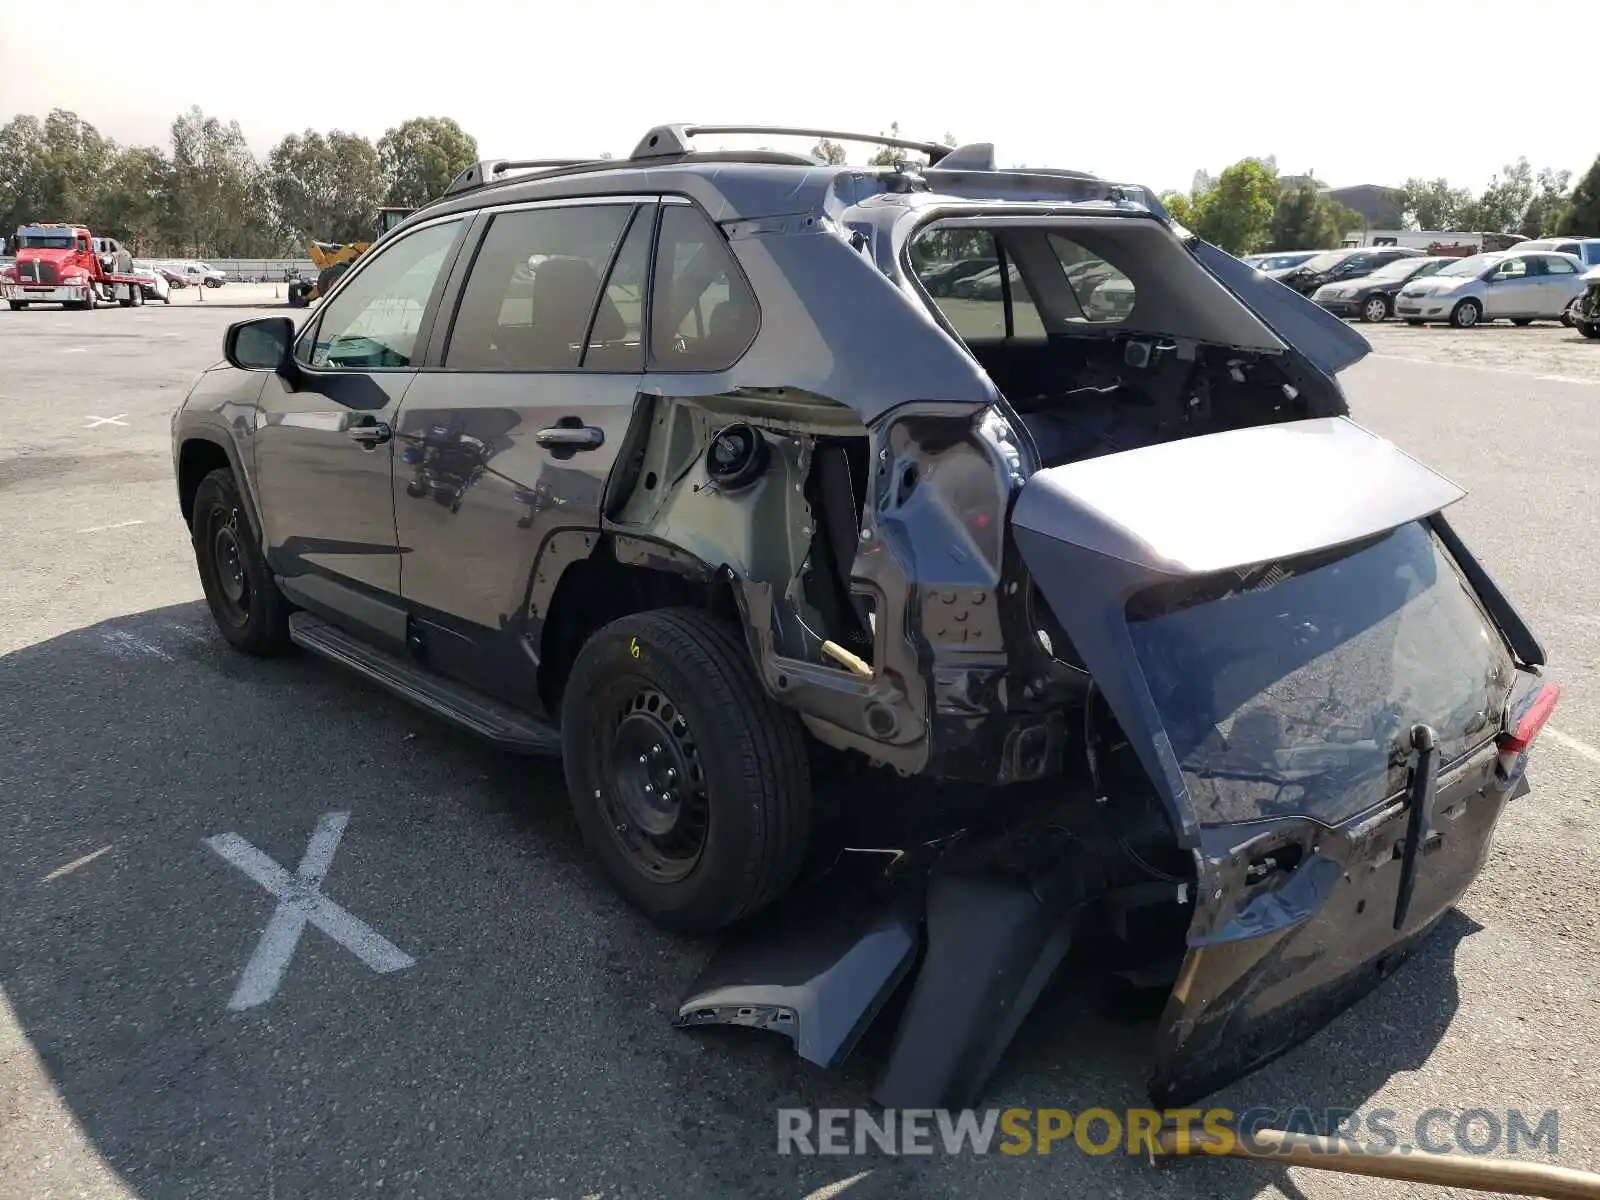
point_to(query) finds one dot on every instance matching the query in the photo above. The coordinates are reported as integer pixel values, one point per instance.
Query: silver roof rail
(668, 141)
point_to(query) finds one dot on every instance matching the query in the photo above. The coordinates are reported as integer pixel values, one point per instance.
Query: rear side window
(527, 303)
(1104, 294)
(703, 315)
(1558, 266)
(976, 288)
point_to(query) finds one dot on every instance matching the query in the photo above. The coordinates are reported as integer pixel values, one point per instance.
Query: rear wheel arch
(621, 576)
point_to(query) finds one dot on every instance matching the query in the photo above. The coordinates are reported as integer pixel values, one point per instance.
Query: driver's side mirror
(264, 344)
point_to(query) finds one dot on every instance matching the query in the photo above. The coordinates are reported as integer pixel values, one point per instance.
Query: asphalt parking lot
(519, 1045)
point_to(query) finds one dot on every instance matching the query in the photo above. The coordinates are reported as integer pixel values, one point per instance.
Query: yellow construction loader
(333, 259)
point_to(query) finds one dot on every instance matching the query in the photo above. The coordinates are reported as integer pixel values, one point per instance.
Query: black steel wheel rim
(653, 794)
(227, 566)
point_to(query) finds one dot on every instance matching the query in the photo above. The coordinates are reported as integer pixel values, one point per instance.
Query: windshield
(44, 241)
(1401, 268)
(1291, 688)
(1318, 263)
(1470, 266)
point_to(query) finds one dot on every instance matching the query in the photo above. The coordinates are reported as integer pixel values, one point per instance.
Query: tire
(686, 678)
(167, 299)
(251, 613)
(17, 305)
(1522, 322)
(1412, 321)
(1589, 329)
(1375, 308)
(1466, 315)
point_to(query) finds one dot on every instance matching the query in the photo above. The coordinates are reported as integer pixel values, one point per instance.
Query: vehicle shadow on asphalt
(529, 1049)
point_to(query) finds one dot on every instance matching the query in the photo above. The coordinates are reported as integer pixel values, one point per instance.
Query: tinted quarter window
(532, 289)
(616, 339)
(703, 315)
(372, 322)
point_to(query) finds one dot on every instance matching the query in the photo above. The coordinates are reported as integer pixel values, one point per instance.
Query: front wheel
(1466, 314)
(1589, 329)
(17, 305)
(250, 612)
(1376, 308)
(691, 785)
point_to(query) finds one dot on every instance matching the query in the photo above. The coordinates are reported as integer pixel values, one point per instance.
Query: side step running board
(460, 705)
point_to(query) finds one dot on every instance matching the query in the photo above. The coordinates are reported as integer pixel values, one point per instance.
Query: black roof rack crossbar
(667, 141)
(484, 172)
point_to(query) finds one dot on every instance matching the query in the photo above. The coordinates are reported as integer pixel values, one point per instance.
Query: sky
(1147, 92)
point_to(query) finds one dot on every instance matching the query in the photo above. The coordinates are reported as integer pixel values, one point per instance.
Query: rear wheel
(250, 611)
(1466, 314)
(690, 784)
(1589, 329)
(1375, 308)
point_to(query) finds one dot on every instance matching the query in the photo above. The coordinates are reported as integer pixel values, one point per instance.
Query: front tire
(1375, 309)
(1466, 315)
(251, 613)
(17, 305)
(690, 784)
(1589, 329)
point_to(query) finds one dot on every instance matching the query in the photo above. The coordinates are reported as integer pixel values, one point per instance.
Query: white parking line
(76, 350)
(68, 868)
(1461, 366)
(1581, 749)
(103, 528)
(300, 901)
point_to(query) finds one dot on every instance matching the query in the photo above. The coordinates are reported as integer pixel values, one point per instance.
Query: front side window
(703, 315)
(531, 293)
(372, 322)
(1512, 268)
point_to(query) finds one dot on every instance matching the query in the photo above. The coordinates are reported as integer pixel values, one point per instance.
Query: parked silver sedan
(1520, 286)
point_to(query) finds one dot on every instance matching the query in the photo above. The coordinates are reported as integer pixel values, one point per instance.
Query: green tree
(1549, 202)
(1434, 204)
(1179, 207)
(220, 204)
(1306, 218)
(132, 200)
(1504, 200)
(1581, 217)
(326, 188)
(830, 152)
(422, 156)
(1237, 214)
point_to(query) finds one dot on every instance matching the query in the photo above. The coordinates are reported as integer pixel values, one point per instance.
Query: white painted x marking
(300, 900)
(96, 422)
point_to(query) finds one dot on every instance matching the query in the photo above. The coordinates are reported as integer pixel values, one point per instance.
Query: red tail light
(1531, 721)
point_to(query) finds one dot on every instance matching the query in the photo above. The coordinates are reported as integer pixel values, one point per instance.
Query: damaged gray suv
(970, 561)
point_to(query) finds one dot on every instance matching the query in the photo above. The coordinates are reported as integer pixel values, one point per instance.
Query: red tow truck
(65, 264)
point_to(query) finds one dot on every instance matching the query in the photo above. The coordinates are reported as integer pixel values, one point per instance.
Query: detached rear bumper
(1270, 962)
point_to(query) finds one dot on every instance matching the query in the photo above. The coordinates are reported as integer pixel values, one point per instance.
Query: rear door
(511, 440)
(1562, 283)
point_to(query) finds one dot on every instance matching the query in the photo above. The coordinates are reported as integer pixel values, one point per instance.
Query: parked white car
(1520, 286)
(155, 285)
(199, 273)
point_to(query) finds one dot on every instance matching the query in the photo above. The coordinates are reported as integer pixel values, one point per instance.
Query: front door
(513, 440)
(1513, 289)
(324, 438)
